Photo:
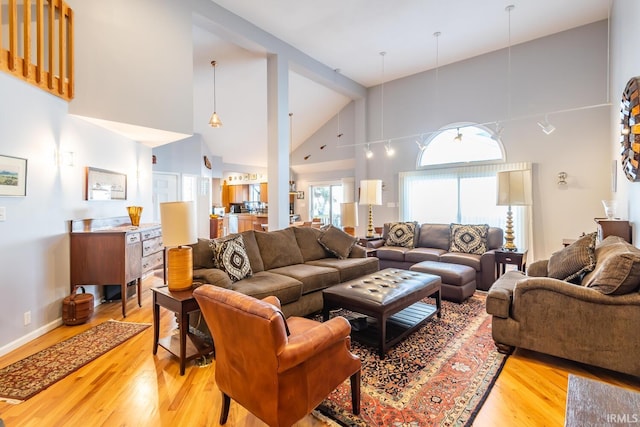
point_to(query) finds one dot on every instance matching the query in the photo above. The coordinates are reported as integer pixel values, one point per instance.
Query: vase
(609, 208)
(134, 214)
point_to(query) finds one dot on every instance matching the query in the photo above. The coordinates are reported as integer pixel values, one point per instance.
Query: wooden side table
(517, 258)
(186, 346)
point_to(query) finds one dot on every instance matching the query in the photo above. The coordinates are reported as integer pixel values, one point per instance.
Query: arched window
(461, 143)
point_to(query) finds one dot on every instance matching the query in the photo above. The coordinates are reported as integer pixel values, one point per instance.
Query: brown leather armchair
(278, 369)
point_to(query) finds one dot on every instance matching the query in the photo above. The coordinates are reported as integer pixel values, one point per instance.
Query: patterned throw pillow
(337, 241)
(469, 239)
(401, 234)
(230, 256)
(577, 259)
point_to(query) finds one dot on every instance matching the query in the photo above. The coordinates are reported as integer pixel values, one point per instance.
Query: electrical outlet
(27, 318)
(3, 213)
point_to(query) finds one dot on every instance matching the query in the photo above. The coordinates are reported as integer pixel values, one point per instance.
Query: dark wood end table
(517, 258)
(187, 346)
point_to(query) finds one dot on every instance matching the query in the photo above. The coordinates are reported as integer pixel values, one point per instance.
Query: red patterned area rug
(438, 376)
(29, 376)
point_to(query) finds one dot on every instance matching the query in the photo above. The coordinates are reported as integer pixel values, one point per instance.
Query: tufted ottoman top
(385, 288)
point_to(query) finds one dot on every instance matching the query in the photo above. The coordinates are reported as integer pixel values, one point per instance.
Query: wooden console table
(111, 251)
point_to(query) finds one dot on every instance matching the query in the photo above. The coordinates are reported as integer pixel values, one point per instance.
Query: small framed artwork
(300, 195)
(105, 185)
(13, 176)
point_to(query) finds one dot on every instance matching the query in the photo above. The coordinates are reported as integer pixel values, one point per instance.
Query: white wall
(134, 62)
(34, 243)
(563, 71)
(625, 64)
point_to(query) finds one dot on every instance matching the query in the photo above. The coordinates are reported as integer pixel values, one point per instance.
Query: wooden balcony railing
(36, 43)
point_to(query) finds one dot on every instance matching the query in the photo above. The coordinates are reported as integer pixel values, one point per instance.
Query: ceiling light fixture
(547, 127)
(214, 121)
(339, 134)
(292, 183)
(367, 151)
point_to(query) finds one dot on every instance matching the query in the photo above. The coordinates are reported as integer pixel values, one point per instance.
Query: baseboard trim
(30, 336)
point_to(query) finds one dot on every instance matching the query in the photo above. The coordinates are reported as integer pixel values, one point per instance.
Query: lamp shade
(349, 214)
(371, 192)
(178, 220)
(514, 188)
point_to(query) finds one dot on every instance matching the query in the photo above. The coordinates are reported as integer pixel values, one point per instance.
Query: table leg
(382, 326)
(123, 296)
(139, 292)
(156, 324)
(184, 327)
(438, 298)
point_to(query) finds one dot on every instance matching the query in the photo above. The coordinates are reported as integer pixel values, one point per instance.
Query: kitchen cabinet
(264, 192)
(238, 193)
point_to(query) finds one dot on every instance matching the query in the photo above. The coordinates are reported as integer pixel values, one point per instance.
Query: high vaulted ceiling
(349, 36)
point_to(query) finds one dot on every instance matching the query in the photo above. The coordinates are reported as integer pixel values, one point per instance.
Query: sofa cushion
(350, 268)
(573, 261)
(313, 277)
(307, 238)
(203, 254)
(435, 236)
(471, 260)
(253, 251)
(423, 254)
(279, 248)
(392, 253)
(337, 241)
(231, 257)
(469, 238)
(401, 234)
(263, 284)
(617, 270)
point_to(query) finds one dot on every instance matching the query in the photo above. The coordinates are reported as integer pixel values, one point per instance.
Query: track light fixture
(389, 149)
(458, 137)
(367, 151)
(547, 127)
(214, 121)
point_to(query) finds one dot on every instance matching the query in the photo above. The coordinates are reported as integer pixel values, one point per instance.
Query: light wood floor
(130, 387)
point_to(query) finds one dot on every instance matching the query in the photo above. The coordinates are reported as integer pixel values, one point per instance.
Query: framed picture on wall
(105, 185)
(13, 176)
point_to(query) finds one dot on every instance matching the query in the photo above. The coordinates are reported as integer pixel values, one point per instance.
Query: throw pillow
(469, 239)
(401, 234)
(617, 275)
(571, 263)
(231, 257)
(337, 241)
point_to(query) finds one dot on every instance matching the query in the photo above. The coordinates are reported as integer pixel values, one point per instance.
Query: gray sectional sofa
(432, 242)
(291, 264)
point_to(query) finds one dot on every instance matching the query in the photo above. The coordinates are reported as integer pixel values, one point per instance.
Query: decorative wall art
(13, 176)
(105, 185)
(630, 131)
(300, 195)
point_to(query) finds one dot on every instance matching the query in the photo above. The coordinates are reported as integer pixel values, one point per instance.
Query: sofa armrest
(358, 251)
(376, 243)
(488, 266)
(312, 341)
(538, 268)
(213, 276)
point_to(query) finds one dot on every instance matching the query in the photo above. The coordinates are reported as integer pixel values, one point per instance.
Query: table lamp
(370, 194)
(514, 189)
(349, 215)
(179, 228)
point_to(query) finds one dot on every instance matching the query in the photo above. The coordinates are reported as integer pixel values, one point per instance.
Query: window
(325, 203)
(461, 143)
(465, 195)
(457, 181)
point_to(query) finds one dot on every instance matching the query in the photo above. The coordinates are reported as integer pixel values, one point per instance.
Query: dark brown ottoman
(392, 298)
(458, 281)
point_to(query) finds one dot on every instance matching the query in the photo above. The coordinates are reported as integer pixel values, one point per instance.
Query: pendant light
(214, 121)
(292, 183)
(382, 54)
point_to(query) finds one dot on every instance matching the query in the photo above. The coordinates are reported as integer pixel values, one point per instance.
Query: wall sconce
(562, 178)
(63, 158)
